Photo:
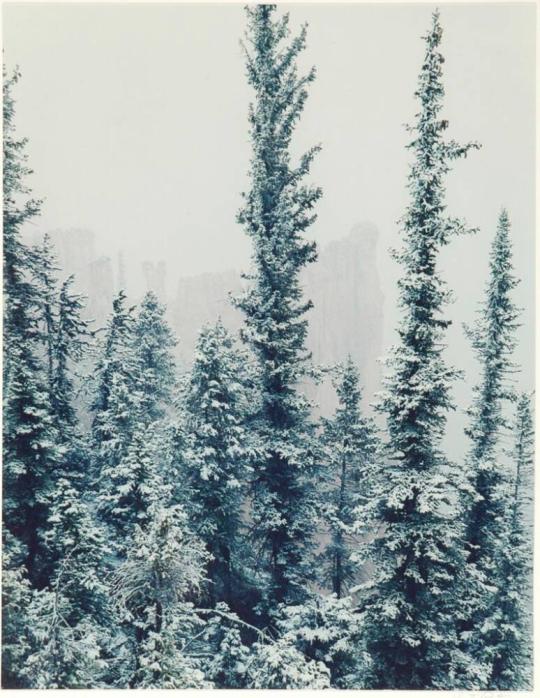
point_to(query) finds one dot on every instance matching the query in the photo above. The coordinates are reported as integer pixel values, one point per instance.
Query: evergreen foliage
(229, 655)
(116, 410)
(63, 653)
(153, 343)
(46, 290)
(328, 630)
(30, 440)
(279, 665)
(276, 214)
(205, 530)
(350, 451)
(218, 458)
(16, 596)
(71, 342)
(486, 500)
(410, 617)
(152, 588)
(510, 631)
(20, 298)
(494, 341)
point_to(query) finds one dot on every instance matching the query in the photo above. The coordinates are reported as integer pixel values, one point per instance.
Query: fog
(137, 123)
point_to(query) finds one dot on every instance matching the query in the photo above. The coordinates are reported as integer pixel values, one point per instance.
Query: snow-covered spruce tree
(410, 617)
(69, 622)
(277, 212)
(350, 447)
(31, 449)
(79, 544)
(45, 269)
(60, 656)
(70, 344)
(153, 588)
(279, 665)
(493, 339)
(116, 360)
(327, 630)
(153, 343)
(133, 483)
(116, 407)
(510, 632)
(485, 498)
(226, 639)
(19, 292)
(16, 597)
(218, 459)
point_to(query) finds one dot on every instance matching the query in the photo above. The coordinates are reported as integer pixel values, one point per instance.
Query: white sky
(136, 116)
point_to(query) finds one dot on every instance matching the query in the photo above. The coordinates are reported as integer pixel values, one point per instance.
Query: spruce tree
(116, 408)
(61, 655)
(79, 544)
(510, 631)
(485, 501)
(152, 588)
(280, 665)
(45, 268)
(493, 339)
(350, 446)
(115, 360)
(410, 616)
(153, 344)
(133, 483)
(16, 598)
(218, 458)
(70, 620)
(70, 346)
(31, 450)
(20, 297)
(276, 214)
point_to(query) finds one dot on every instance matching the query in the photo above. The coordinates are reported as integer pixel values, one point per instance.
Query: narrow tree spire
(493, 339)
(276, 213)
(410, 618)
(30, 446)
(350, 447)
(512, 628)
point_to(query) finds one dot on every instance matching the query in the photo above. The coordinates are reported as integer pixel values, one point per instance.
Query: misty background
(136, 116)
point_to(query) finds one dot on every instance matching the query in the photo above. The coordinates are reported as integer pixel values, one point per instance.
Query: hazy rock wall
(343, 285)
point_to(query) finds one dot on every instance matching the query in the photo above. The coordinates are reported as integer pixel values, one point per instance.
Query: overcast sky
(136, 116)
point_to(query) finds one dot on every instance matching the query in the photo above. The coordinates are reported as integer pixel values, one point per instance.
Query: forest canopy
(206, 527)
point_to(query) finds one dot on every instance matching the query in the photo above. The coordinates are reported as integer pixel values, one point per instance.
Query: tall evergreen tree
(116, 409)
(410, 618)
(350, 449)
(115, 359)
(31, 450)
(19, 207)
(218, 459)
(45, 268)
(510, 630)
(276, 214)
(135, 379)
(71, 342)
(153, 343)
(493, 339)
